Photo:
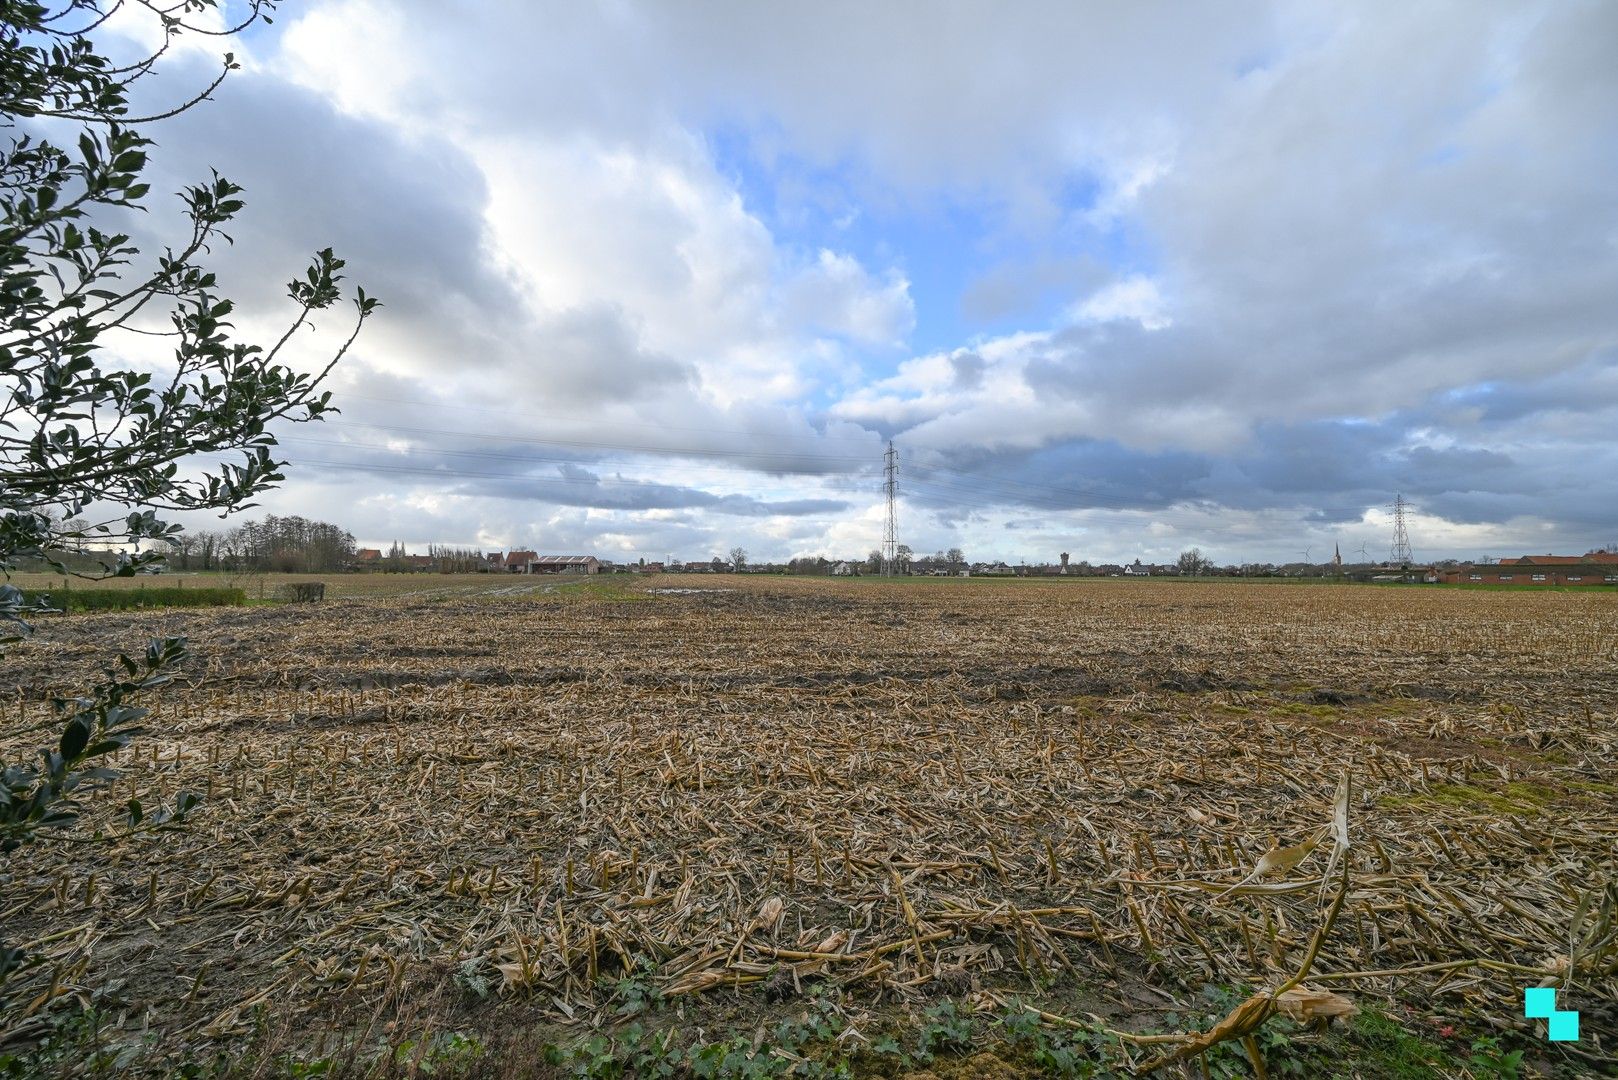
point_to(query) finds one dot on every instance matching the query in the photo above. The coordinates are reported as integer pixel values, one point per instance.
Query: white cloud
(839, 296)
(628, 217)
(1136, 297)
(1252, 219)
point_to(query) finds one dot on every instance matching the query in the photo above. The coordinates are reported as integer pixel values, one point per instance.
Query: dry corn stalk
(1313, 1005)
(1291, 996)
(1059, 772)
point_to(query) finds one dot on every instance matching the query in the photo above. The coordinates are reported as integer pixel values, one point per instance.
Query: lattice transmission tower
(890, 529)
(1399, 553)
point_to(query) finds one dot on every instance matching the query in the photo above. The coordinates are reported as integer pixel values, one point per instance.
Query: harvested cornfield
(1096, 795)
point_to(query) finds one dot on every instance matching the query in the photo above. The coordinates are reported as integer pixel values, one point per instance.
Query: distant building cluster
(1592, 568)
(463, 561)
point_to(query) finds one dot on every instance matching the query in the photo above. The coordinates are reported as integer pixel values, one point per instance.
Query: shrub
(127, 599)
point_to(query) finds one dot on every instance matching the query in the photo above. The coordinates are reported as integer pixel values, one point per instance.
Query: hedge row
(143, 597)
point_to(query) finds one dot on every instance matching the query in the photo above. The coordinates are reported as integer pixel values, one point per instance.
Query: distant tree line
(456, 560)
(288, 545)
(952, 561)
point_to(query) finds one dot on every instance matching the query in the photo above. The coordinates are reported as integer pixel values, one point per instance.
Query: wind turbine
(1365, 556)
(1306, 559)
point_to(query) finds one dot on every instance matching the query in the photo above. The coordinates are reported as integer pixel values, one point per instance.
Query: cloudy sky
(1116, 279)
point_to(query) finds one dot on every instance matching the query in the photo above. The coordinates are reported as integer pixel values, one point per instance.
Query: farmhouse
(517, 561)
(1591, 568)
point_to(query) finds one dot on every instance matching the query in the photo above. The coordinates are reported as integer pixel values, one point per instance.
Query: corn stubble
(997, 788)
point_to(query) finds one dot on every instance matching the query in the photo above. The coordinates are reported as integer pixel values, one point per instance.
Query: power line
(994, 491)
(980, 499)
(687, 451)
(522, 458)
(1046, 492)
(949, 491)
(950, 484)
(528, 415)
(988, 483)
(966, 491)
(443, 474)
(1049, 496)
(993, 483)
(1000, 480)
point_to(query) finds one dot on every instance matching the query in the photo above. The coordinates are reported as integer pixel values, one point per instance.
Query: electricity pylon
(1399, 553)
(890, 529)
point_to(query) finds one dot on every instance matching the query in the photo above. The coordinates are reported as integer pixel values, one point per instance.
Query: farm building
(1591, 568)
(1409, 575)
(517, 561)
(564, 564)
